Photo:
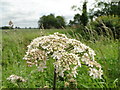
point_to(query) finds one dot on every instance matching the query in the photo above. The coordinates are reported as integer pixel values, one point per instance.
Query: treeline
(104, 9)
(8, 27)
(5, 27)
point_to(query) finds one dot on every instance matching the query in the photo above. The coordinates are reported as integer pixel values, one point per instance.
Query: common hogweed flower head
(68, 54)
(15, 78)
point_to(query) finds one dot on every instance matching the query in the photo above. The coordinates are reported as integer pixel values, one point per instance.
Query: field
(14, 46)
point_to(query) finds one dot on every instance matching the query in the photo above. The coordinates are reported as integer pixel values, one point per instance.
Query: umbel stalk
(55, 78)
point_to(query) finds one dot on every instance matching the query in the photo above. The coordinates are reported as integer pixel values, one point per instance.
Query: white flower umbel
(15, 78)
(96, 73)
(68, 55)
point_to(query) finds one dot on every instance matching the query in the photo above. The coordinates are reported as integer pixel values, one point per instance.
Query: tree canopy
(103, 9)
(50, 21)
(106, 9)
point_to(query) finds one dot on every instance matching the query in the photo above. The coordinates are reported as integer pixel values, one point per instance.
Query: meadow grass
(14, 46)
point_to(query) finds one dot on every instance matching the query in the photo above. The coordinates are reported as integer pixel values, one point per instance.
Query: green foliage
(106, 8)
(50, 21)
(15, 44)
(84, 17)
(107, 25)
(80, 19)
(6, 27)
(60, 22)
(76, 21)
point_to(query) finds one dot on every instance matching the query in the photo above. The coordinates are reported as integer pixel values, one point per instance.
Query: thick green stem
(55, 78)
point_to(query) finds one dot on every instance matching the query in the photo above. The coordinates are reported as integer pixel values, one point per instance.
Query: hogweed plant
(69, 54)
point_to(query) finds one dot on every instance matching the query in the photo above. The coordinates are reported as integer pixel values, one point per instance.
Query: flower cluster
(68, 54)
(15, 78)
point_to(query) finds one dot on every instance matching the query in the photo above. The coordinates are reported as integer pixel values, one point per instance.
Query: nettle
(69, 54)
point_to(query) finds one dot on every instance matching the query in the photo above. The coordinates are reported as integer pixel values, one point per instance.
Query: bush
(5, 27)
(107, 25)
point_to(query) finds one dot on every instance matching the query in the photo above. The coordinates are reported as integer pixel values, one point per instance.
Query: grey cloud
(22, 22)
(68, 17)
(16, 16)
(5, 6)
(115, 0)
(26, 23)
(3, 3)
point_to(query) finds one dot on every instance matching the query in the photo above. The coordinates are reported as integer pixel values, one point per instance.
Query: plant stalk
(55, 78)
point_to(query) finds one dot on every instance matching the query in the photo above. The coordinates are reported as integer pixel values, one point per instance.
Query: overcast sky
(26, 13)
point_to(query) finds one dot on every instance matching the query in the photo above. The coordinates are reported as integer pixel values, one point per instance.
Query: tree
(60, 22)
(76, 21)
(5, 27)
(80, 19)
(42, 22)
(50, 21)
(84, 17)
(106, 8)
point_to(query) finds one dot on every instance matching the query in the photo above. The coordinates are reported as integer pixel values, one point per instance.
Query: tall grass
(14, 46)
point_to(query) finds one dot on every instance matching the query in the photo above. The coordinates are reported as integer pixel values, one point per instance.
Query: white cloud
(26, 11)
